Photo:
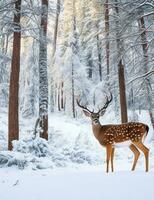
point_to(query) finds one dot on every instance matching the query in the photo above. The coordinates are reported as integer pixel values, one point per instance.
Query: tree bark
(62, 95)
(43, 76)
(99, 58)
(122, 89)
(107, 44)
(73, 95)
(13, 118)
(121, 73)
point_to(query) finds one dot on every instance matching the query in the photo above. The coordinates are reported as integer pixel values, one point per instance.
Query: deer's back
(117, 133)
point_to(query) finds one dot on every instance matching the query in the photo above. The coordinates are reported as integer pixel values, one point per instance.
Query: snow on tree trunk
(74, 50)
(121, 73)
(62, 95)
(13, 126)
(56, 27)
(4, 79)
(43, 76)
(99, 57)
(73, 95)
(55, 37)
(29, 87)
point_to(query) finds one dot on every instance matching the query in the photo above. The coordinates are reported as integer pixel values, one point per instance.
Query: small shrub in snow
(83, 156)
(38, 147)
(21, 164)
(8, 160)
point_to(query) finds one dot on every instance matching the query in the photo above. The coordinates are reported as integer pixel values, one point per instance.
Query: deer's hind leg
(136, 155)
(145, 150)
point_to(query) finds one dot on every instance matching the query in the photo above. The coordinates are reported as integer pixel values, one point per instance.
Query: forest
(61, 59)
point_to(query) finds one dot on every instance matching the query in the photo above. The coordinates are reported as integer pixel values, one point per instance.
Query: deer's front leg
(108, 156)
(112, 156)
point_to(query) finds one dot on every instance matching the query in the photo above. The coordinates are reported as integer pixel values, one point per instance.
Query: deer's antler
(81, 106)
(107, 102)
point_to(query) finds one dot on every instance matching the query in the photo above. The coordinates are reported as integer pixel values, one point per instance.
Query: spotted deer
(111, 135)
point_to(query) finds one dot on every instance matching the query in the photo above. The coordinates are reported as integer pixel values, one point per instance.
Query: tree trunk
(107, 44)
(13, 118)
(53, 54)
(74, 50)
(122, 89)
(56, 27)
(4, 76)
(121, 73)
(90, 65)
(99, 58)
(59, 98)
(73, 95)
(43, 77)
(62, 95)
(144, 43)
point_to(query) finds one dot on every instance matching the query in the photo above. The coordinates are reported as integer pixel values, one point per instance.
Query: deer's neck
(96, 128)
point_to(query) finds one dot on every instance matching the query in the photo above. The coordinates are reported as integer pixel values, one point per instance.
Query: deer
(111, 135)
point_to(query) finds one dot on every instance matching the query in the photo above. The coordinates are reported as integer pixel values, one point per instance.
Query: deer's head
(94, 116)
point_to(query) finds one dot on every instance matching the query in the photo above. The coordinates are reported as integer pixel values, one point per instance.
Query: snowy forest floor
(75, 184)
(71, 165)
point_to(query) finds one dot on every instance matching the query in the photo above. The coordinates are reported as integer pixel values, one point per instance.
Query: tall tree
(99, 57)
(60, 91)
(43, 76)
(107, 44)
(73, 46)
(13, 121)
(121, 72)
(56, 26)
(144, 44)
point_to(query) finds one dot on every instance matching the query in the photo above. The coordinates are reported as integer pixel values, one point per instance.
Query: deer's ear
(86, 113)
(102, 112)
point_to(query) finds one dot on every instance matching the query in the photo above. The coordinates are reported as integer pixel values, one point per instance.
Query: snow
(85, 184)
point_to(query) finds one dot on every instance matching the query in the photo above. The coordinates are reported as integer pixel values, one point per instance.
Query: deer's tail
(146, 133)
(147, 129)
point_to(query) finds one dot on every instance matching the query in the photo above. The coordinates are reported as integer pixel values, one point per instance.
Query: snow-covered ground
(75, 185)
(71, 166)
